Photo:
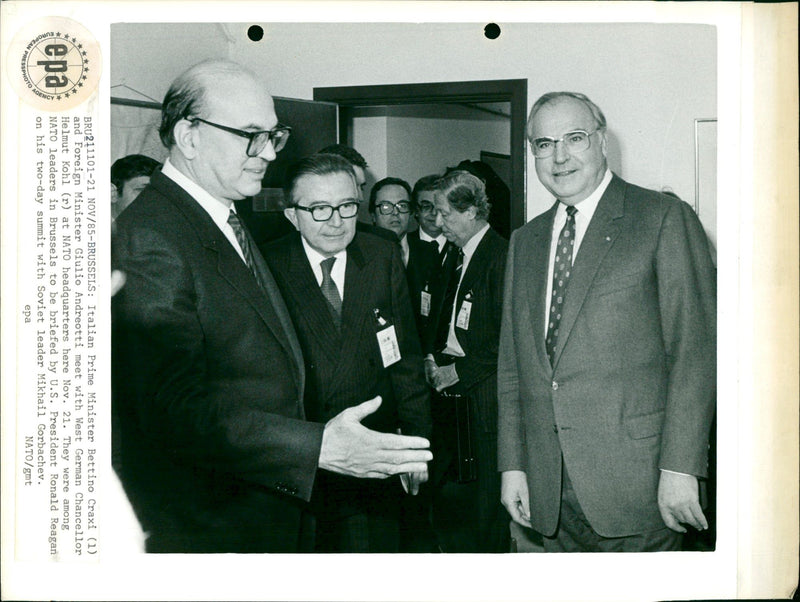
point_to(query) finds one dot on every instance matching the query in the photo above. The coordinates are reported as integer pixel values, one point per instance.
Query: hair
(348, 152)
(424, 184)
(544, 99)
(463, 190)
(319, 164)
(130, 167)
(383, 184)
(187, 95)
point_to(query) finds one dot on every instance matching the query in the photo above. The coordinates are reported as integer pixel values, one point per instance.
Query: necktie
(244, 243)
(449, 300)
(561, 271)
(329, 289)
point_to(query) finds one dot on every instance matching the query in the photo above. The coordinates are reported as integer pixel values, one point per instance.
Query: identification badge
(390, 350)
(424, 303)
(462, 320)
(387, 341)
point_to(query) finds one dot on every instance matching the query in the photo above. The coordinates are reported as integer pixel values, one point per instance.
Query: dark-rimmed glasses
(257, 141)
(575, 142)
(426, 207)
(387, 208)
(322, 213)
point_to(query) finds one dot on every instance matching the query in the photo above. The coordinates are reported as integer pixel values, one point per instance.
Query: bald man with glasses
(211, 438)
(347, 295)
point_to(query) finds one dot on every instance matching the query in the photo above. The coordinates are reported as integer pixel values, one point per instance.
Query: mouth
(564, 173)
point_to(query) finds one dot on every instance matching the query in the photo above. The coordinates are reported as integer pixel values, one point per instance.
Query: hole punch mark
(255, 33)
(492, 31)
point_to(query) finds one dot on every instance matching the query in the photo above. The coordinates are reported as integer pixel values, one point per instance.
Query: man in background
(607, 364)
(348, 299)
(462, 367)
(129, 176)
(213, 446)
(359, 165)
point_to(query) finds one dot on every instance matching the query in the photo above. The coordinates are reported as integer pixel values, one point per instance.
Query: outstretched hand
(349, 448)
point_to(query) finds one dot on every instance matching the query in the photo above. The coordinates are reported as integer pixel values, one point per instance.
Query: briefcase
(467, 469)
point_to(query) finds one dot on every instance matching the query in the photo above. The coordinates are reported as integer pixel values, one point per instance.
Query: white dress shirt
(337, 271)
(404, 249)
(453, 347)
(586, 209)
(440, 240)
(215, 208)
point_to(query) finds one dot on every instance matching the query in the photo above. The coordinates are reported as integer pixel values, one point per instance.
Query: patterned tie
(561, 271)
(329, 289)
(244, 242)
(449, 300)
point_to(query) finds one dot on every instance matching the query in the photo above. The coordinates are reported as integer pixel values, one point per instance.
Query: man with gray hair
(213, 445)
(461, 365)
(607, 370)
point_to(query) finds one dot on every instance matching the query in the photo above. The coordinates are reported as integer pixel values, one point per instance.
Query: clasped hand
(440, 377)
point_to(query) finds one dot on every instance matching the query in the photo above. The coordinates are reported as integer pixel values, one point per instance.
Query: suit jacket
(421, 273)
(632, 388)
(212, 446)
(344, 365)
(477, 370)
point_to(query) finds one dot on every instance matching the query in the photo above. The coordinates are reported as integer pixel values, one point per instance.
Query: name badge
(462, 321)
(425, 303)
(387, 341)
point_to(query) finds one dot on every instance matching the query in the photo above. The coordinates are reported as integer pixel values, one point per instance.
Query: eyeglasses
(257, 140)
(426, 207)
(575, 142)
(387, 208)
(322, 213)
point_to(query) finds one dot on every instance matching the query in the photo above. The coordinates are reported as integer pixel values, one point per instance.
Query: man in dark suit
(607, 356)
(390, 206)
(467, 515)
(211, 440)
(348, 299)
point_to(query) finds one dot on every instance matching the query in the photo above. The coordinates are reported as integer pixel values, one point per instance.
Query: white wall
(651, 80)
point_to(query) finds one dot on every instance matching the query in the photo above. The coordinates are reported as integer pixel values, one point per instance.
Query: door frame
(513, 91)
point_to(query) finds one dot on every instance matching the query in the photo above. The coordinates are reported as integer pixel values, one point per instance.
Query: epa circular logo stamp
(54, 64)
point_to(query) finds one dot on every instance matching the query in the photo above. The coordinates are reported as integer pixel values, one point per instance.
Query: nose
(268, 153)
(336, 219)
(438, 220)
(560, 153)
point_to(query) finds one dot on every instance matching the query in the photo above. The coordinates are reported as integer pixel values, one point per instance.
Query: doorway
(499, 97)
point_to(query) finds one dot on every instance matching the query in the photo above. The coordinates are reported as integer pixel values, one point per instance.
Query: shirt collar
(587, 206)
(315, 257)
(215, 208)
(439, 240)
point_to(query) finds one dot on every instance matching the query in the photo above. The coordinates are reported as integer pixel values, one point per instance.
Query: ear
(115, 194)
(186, 138)
(291, 215)
(603, 143)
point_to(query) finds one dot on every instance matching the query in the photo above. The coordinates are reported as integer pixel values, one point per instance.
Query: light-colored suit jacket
(632, 389)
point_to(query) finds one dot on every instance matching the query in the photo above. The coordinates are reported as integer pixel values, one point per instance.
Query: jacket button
(555, 386)
(555, 428)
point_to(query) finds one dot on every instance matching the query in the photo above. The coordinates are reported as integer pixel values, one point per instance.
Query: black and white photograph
(396, 297)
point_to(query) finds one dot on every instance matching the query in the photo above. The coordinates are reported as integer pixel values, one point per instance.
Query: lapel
(306, 293)
(598, 240)
(476, 267)
(356, 308)
(232, 269)
(536, 265)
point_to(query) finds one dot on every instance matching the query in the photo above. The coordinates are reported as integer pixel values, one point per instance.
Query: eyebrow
(341, 202)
